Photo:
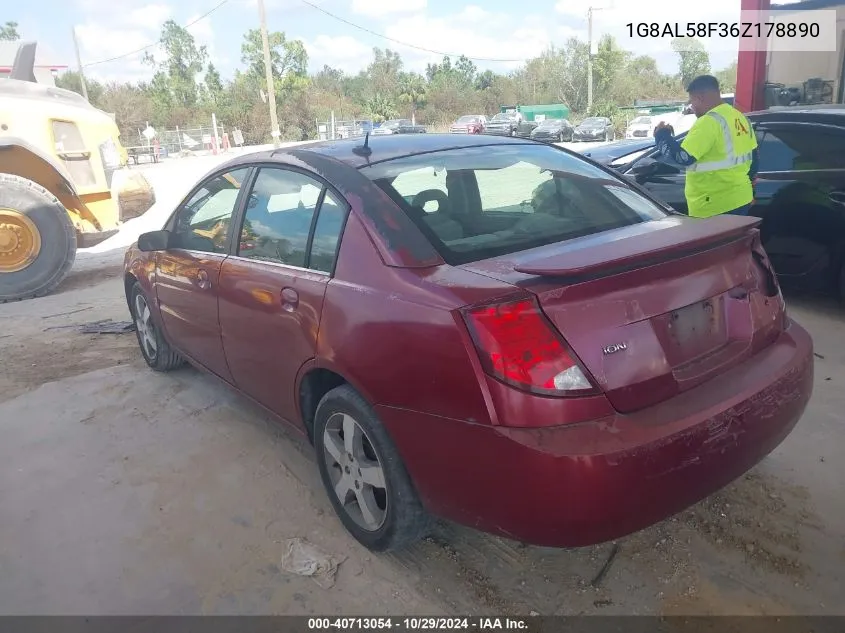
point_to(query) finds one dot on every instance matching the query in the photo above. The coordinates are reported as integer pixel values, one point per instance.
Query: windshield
(527, 196)
(470, 118)
(504, 116)
(641, 120)
(593, 121)
(391, 123)
(550, 123)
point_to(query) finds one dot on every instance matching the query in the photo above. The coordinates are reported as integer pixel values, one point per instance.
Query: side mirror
(644, 168)
(154, 241)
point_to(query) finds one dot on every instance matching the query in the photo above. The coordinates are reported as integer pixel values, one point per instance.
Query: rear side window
(481, 202)
(801, 149)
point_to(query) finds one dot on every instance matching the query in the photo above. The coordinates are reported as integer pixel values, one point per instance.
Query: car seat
(440, 222)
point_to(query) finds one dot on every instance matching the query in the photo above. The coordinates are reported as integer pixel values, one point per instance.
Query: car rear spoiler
(23, 68)
(680, 237)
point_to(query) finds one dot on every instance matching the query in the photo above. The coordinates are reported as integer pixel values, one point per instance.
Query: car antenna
(364, 150)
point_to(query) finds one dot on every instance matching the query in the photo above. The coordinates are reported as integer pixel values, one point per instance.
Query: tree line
(186, 88)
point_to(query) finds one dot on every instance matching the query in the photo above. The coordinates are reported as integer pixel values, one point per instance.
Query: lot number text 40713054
(418, 624)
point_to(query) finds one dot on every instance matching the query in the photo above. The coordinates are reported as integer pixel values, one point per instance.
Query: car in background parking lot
(398, 126)
(508, 124)
(494, 331)
(614, 154)
(559, 130)
(641, 127)
(595, 128)
(469, 124)
(799, 192)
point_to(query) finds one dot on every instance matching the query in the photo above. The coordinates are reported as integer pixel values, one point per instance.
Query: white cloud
(474, 32)
(203, 34)
(343, 52)
(113, 29)
(387, 8)
(150, 17)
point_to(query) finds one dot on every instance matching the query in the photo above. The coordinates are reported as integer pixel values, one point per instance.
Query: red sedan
(490, 330)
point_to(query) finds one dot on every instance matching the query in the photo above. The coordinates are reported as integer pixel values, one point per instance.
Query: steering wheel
(431, 195)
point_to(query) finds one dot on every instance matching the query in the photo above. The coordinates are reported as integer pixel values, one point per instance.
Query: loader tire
(37, 240)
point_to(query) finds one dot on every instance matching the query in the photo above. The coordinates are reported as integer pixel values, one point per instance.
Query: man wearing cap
(719, 153)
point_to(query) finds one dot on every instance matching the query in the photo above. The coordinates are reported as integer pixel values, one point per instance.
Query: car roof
(382, 147)
(821, 113)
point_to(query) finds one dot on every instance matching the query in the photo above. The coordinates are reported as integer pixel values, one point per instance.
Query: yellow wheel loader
(58, 160)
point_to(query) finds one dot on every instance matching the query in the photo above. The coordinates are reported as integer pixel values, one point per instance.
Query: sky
(497, 34)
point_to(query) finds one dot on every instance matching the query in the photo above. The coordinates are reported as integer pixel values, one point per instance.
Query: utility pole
(589, 58)
(590, 53)
(268, 68)
(79, 65)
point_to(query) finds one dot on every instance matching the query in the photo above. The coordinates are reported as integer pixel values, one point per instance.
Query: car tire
(394, 517)
(38, 221)
(154, 347)
(842, 283)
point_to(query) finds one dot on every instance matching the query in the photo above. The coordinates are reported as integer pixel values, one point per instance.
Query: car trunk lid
(657, 308)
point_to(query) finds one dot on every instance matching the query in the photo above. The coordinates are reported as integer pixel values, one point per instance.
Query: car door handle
(202, 280)
(837, 196)
(290, 299)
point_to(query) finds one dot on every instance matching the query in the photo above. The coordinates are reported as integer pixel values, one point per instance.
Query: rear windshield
(488, 201)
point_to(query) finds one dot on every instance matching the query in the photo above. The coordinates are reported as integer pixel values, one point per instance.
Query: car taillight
(518, 345)
(765, 274)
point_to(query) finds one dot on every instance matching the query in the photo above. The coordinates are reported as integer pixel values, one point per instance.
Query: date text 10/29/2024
(419, 624)
(724, 29)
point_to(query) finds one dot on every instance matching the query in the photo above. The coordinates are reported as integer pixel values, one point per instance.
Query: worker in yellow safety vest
(719, 153)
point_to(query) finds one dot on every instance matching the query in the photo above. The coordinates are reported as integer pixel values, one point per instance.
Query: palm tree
(412, 91)
(380, 107)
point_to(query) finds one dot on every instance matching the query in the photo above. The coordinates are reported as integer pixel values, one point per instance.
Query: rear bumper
(583, 484)
(87, 240)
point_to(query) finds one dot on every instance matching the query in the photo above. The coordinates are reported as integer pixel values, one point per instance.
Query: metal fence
(352, 128)
(194, 139)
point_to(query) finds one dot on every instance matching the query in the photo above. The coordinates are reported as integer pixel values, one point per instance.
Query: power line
(148, 46)
(395, 41)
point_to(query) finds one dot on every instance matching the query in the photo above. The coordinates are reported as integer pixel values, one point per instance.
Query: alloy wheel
(145, 327)
(356, 472)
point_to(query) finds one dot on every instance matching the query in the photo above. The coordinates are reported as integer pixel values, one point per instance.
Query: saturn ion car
(495, 331)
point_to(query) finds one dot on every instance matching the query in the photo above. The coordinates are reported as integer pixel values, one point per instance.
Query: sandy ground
(123, 491)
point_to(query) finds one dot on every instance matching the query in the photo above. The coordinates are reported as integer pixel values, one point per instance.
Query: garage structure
(766, 78)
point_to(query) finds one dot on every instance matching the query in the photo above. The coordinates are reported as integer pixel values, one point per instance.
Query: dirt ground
(123, 491)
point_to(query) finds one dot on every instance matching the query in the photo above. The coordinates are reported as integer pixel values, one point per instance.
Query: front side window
(507, 198)
(202, 224)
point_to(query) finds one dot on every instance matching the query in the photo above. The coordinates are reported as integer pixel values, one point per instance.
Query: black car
(553, 130)
(799, 192)
(613, 153)
(594, 128)
(508, 124)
